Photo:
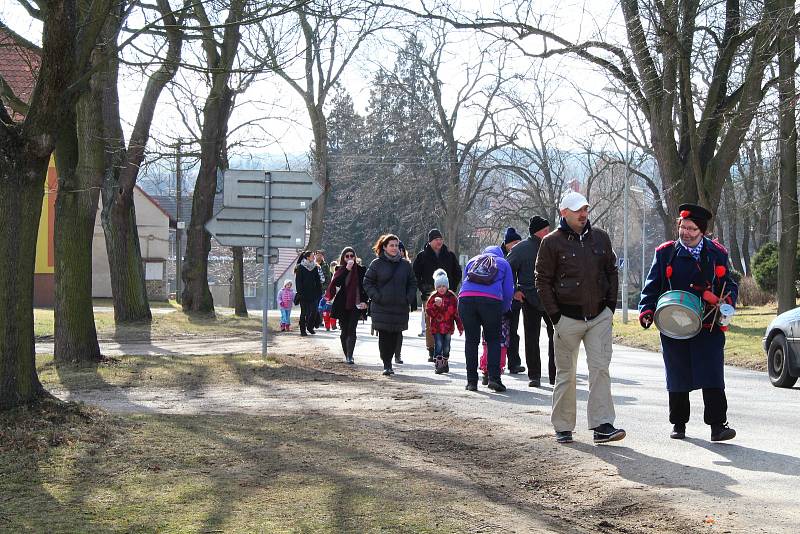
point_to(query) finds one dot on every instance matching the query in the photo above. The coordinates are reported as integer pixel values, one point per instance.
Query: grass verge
(742, 341)
(163, 325)
(69, 468)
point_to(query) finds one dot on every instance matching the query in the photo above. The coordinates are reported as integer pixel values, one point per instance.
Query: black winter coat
(307, 284)
(522, 259)
(392, 289)
(427, 262)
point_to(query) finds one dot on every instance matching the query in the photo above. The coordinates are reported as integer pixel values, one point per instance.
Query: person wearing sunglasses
(346, 292)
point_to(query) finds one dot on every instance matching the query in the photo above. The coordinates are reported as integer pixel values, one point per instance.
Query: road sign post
(265, 299)
(265, 209)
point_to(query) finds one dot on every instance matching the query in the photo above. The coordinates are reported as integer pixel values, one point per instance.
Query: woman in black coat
(309, 290)
(346, 290)
(392, 287)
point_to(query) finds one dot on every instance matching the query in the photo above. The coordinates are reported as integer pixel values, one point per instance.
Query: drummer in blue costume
(698, 265)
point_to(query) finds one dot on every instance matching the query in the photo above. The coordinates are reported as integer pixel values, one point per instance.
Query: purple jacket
(503, 286)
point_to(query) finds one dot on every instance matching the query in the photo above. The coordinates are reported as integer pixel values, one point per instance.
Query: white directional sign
(264, 209)
(244, 227)
(291, 190)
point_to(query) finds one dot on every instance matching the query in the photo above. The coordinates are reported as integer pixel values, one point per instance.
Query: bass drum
(679, 314)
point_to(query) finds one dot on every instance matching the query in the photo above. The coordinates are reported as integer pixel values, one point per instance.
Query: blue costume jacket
(697, 362)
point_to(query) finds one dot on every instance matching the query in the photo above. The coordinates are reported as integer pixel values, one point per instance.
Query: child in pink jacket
(285, 303)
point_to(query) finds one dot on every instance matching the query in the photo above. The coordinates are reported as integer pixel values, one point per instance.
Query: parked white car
(782, 345)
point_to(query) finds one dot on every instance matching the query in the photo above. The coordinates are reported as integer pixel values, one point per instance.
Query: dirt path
(505, 477)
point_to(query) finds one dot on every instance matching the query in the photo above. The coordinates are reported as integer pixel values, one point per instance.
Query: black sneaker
(485, 380)
(446, 367)
(388, 372)
(471, 386)
(606, 432)
(350, 360)
(398, 360)
(535, 383)
(722, 432)
(565, 436)
(312, 332)
(496, 385)
(517, 369)
(303, 333)
(678, 431)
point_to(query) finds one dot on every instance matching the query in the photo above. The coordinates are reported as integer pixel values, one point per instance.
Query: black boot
(722, 432)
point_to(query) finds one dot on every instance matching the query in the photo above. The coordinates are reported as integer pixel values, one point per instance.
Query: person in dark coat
(434, 256)
(511, 239)
(324, 278)
(522, 259)
(392, 289)
(698, 265)
(346, 292)
(308, 285)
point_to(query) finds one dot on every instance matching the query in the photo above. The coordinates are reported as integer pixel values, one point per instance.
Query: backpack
(483, 270)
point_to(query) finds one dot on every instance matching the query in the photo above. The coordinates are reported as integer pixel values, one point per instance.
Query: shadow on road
(751, 459)
(652, 471)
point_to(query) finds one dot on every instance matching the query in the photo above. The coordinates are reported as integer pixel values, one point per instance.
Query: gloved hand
(710, 297)
(646, 319)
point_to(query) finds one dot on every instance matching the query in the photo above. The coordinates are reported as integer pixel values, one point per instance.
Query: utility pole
(178, 224)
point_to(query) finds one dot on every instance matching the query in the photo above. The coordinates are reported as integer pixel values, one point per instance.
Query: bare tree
(695, 130)
(25, 149)
(790, 217)
(323, 37)
(468, 163)
(118, 216)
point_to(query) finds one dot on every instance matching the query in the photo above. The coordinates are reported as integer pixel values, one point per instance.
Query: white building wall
(153, 227)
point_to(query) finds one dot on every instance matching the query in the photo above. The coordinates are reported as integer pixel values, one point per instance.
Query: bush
(765, 267)
(752, 295)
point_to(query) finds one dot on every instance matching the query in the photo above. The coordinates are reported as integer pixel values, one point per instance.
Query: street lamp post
(624, 203)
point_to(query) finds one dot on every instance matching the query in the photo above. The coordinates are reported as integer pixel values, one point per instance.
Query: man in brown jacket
(577, 281)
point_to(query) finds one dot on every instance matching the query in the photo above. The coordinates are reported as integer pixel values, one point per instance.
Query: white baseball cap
(573, 201)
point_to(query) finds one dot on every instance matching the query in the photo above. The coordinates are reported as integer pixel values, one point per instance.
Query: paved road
(750, 484)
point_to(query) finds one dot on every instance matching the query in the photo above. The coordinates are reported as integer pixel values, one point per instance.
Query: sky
(290, 133)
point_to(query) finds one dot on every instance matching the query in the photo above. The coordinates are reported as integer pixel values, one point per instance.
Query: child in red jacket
(442, 312)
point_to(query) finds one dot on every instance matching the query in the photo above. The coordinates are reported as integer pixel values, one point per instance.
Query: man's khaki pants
(596, 336)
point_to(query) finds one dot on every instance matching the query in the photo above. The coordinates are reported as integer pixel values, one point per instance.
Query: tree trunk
(21, 193)
(787, 148)
(733, 224)
(118, 217)
(318, 208)
(238, 282)
(80, 156)
(25, 150)
(196, 296)
(119, 212)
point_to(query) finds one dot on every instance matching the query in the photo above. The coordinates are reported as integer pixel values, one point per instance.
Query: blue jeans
(477, 313)
(285, 314)
(441, 343)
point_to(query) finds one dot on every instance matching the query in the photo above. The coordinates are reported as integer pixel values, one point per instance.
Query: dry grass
(68, 468)
(164, 325)
(743, 346)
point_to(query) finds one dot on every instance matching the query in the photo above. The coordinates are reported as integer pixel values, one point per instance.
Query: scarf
(694, 251)
(393, 259)
(308, 264)
(351, 288)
